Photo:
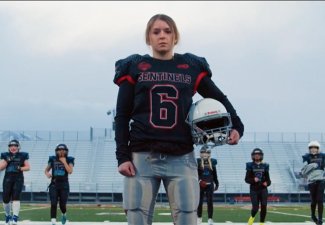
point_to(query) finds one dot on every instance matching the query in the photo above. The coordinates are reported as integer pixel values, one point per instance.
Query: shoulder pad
(214, 161)
(122, 67)
(24, 155)
(267, 166)
(195, 60)
(4, 155)
(52, 158)
(305, 158)
(70, 160)
(249, 165)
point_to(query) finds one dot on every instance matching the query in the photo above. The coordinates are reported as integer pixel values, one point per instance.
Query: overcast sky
(57, 59)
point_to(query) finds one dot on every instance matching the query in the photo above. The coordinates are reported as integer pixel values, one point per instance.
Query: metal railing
(108, 133)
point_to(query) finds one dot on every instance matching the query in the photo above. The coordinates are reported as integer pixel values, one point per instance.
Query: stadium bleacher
(96, 168)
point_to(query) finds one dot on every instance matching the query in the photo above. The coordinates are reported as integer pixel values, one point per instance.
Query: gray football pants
(180, 179)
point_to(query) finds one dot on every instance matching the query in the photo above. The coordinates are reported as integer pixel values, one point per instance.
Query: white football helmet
(314, 147)
(210, 122)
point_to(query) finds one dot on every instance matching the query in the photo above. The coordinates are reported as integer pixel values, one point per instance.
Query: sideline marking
(43, 207)
(289, 214)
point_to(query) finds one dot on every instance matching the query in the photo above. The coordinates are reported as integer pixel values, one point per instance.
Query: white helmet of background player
(314, 147)
(210, 122)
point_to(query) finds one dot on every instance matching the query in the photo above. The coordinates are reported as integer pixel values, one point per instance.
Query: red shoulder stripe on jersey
(125, 77)
(198, 80)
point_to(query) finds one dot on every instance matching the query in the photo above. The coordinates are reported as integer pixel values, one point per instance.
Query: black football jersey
(15, 161)
(58, 170)
(261, 171)
(317, 158)
(206, 173)
(162, 97)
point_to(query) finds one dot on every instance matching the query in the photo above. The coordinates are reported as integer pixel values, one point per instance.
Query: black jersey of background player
(59, 172)
(261, 171)
(317, 158)
(165, 89)
(15, 161)
(206, 173)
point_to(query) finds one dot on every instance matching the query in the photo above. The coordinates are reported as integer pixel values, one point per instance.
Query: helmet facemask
(212, 130)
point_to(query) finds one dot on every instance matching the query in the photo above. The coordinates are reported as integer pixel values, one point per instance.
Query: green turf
(114, 213)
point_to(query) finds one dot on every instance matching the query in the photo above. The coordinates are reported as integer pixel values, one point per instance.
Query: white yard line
(288, 214)
(30, 209)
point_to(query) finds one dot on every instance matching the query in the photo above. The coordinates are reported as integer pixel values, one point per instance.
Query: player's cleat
(7, 219)
(313, 217)
(261, 223)
(320, 222)
(53, 221)
(63, 219)
(251, 220)
(199, 220)
(210, 221)
(15, 220)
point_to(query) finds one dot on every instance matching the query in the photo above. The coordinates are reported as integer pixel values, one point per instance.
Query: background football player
(257, 175)
(15, 162)
(208, 181)
(314, 171)
(61, 165)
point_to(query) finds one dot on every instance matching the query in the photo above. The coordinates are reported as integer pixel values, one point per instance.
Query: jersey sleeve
(25, 155)
(122, 69)
(214, 162)
(267, 174)
(201, 64)
(51, 159)
(305, 158)
(4, 155)
(248, 166)
(70, 160)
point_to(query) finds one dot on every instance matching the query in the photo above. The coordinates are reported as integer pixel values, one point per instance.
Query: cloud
(56, 28)
(59, 27)
(60, 55)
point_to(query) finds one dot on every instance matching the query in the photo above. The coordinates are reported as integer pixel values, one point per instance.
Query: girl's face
(161, 39)
(205, 155)
(257, 157)
(313, 150)
(61, 152)
(13, 149)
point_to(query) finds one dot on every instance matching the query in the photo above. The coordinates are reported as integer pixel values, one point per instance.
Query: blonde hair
(209, 161)
(171, 23)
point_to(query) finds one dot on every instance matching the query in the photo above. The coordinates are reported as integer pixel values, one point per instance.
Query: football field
(121, 223)
(39, 214)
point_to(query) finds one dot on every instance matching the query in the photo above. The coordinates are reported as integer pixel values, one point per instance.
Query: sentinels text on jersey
(165, 89)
